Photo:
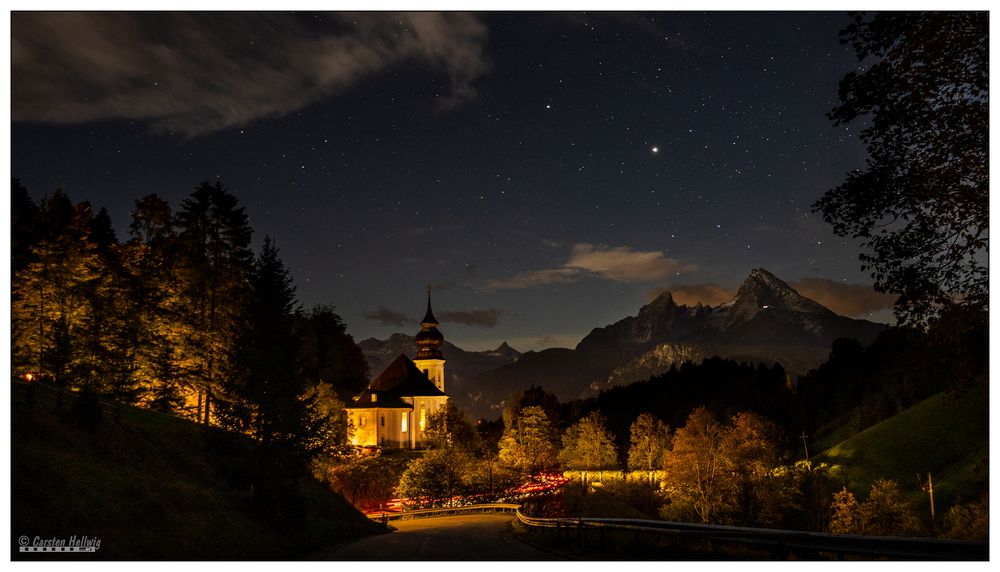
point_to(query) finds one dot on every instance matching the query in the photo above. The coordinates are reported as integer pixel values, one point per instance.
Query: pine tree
(215, 262)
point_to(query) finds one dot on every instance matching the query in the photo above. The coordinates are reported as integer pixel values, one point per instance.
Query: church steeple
(429, 341)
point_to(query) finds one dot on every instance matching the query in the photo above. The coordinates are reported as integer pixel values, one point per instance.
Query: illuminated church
(392, 411)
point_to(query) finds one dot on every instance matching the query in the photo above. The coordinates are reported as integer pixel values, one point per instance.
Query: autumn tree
(696, 476)
(716, 472)
(920, 206)
(884, 513)
(52, 303)
(528, 442)
(649, 438)
(589, 446)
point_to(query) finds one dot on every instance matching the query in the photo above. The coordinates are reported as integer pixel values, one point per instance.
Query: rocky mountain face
(766, 322)
(461, 366)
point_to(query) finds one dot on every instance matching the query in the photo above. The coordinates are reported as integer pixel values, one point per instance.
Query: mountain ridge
(767, 321)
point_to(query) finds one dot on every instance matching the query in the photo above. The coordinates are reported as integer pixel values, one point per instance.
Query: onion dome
(429, 339)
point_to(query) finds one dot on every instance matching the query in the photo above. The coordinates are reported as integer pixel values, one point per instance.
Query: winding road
(463, 537)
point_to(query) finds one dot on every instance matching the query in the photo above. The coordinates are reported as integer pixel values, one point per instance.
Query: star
(655, 150)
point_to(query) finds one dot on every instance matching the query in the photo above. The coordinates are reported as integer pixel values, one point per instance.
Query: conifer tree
(215, 261)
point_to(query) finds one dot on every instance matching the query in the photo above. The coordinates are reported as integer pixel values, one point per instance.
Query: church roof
(401, 379)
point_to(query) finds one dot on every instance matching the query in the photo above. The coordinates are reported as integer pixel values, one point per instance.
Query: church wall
(434, 368)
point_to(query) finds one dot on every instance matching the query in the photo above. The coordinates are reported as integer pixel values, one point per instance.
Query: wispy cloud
(843, 298)
(391, 317)
(196, 73)
(692, 294)
(619, 263)
(488, 318)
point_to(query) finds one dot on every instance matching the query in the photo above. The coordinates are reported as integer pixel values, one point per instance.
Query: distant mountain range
(766, 322)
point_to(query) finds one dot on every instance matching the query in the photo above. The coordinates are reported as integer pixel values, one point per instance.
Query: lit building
(392, 411)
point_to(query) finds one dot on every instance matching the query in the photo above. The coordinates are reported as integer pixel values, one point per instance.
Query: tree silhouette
(920, 206)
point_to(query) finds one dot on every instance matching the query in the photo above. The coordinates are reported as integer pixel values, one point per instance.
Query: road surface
(485, 536)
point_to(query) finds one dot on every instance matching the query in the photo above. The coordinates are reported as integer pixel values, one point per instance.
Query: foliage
(365, 478)
(179, 311)
(528, 442)
(920, 206)
(969, 521)
(588, 446)
(643, 496)
(714, 472)
(436, 478)
(723, 386)
(884, 513)
(328, 354)
(449, 427)
(649, 438)
(327, 428)
(213, 272)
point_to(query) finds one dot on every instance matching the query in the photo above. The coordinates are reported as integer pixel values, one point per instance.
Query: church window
(383, 421)
(423, 417)
(404, 423)
(361, 420)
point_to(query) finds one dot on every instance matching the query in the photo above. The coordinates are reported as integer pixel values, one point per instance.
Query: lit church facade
(393, 410)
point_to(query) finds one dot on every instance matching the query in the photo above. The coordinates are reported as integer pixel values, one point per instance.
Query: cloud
(620, 264)
(386, 316)
(692, 294)
(488, 318)
(197, 73)
(842, 298)
(535, 278)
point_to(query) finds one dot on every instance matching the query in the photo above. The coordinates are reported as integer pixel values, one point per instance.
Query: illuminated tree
(718, 472)
(884, 513)
(52, 308)
(436, 478)
(920, 206)
(649, 438)
(149, 259)
(449, 428)
(696, 475)
(528, 442)
(214, 266)
(589, 446)
(327, 428)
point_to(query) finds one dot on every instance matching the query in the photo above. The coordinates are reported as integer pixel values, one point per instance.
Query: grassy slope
(150, 487)
(945, 437)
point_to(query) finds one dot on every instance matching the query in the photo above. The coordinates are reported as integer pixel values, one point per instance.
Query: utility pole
(930, 491)
(805, 444)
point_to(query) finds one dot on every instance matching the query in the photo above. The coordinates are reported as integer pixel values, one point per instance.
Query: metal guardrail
(782, 541)
(432, 512)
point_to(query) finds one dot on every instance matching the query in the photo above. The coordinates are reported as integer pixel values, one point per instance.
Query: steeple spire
(429, 319)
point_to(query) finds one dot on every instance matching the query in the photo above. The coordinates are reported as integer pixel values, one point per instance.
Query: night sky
(546, 173)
